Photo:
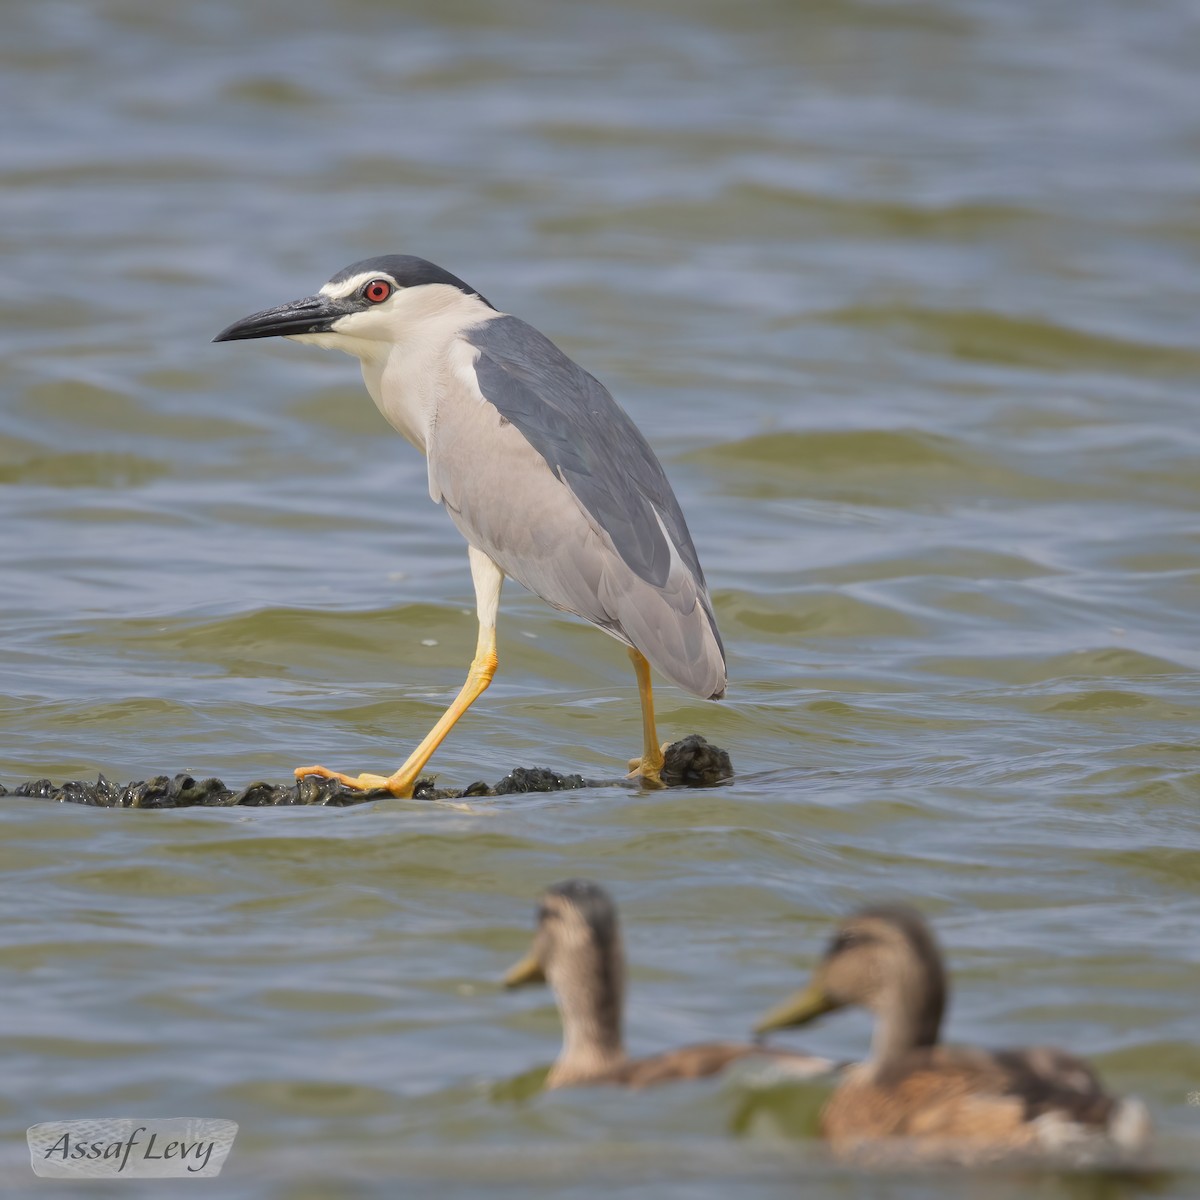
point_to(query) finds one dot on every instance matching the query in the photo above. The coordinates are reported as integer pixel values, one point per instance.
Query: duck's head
(577, 951)
(577, 940)
(883, 958)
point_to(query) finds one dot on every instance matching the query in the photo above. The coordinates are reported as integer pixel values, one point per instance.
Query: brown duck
(577, 951)
(957, 1102)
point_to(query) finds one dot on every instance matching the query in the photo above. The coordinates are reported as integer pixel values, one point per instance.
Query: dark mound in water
(691, 762)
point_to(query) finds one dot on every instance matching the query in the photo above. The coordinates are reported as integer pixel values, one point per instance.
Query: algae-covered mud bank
(691, 762)
(904, 296)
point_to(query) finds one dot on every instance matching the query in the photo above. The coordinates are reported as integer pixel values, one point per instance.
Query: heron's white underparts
(542, 471)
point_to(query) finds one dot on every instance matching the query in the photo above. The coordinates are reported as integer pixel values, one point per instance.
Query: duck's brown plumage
(705, 1059)
(946, 1101)
(577, 950)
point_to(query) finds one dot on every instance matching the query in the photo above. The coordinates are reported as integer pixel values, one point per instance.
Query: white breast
(417, 371)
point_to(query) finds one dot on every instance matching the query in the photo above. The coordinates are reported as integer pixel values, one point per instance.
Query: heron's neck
(589, 998)
(423, 368)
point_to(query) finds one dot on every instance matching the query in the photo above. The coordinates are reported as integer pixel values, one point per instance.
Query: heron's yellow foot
(363, 783)
(649, 773)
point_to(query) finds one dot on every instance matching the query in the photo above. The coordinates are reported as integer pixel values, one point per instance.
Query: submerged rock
(694, 762)
(690, 762)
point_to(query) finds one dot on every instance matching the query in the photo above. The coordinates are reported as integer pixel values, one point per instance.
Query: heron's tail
(682, 643)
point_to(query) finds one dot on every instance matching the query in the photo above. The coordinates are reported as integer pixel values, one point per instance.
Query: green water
(905, 295)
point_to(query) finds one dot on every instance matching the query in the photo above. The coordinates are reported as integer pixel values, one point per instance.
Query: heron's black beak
(313, 314)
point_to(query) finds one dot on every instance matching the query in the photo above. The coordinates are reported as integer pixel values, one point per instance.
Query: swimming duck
(577, 951)
(957, 1102)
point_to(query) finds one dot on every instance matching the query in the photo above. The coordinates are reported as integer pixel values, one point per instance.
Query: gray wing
(544, 472)
(588, 441)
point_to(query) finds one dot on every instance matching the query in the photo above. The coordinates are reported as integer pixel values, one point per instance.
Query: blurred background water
(905, 294)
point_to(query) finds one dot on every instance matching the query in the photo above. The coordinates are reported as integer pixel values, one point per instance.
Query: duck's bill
(803, 1007)
(527, 971)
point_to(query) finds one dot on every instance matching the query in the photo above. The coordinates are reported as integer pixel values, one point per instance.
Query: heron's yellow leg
(649, 767)
(488, 580)
(400, 784)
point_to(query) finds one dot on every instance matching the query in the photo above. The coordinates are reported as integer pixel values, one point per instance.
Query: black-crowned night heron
(541, 470)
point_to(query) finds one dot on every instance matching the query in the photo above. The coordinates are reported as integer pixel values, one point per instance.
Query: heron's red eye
(377, 291)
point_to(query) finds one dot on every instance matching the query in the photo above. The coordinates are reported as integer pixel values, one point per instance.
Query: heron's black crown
(408, 271)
